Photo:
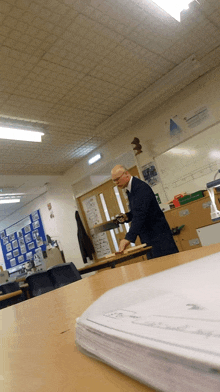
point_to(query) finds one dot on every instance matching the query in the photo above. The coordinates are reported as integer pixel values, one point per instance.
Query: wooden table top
(38, 350)
(116, 259)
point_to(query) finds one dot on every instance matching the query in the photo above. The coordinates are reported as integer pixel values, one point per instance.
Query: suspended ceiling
(87, 70)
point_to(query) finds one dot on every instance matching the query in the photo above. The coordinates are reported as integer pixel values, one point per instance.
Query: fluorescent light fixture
(8, 201)
(94, 159)
(173, 7)
(20, 134)
(11, 194)
(214, 154)
(181, 151)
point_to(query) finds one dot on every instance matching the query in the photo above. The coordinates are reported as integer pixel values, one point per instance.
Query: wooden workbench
(111, 262)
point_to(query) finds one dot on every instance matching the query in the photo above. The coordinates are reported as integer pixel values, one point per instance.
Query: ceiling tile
(76, 64)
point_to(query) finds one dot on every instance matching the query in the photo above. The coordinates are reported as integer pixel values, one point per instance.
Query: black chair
(63, 274)
(39, 283)
(7, 288)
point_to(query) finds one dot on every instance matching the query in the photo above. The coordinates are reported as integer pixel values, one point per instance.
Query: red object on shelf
(176, 202)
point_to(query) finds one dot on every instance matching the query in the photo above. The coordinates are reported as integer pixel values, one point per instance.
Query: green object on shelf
(188, 198)
(158, 198)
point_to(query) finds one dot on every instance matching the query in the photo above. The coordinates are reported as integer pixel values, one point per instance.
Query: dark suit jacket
(148, 221)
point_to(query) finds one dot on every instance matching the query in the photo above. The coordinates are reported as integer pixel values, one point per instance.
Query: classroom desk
(38, 351)
(25, 288)
(117, 259)
(10, 295)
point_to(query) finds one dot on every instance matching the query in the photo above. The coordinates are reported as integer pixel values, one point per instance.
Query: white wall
(155, 139)
(64, 228)
(153, 130)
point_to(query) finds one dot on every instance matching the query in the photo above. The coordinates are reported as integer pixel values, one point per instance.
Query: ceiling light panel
(9, 201)
(173, 7)
(20, 134)
(92, 60)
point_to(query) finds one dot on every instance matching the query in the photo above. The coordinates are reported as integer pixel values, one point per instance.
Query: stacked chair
(8, 288)
(63, 274)
(39, 283)
(55, 277)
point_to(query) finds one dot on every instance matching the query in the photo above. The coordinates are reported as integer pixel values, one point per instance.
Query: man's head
(120, 176)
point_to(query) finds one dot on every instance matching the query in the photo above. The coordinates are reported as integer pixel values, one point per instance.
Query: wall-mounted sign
(175, 129)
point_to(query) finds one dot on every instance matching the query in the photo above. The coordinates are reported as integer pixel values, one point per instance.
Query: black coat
(85, 244)
(148, 221)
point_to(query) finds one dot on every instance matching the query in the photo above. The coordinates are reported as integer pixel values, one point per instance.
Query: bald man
(147, 220)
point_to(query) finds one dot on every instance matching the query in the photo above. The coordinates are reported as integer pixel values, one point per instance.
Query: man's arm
(140, 210)
(129, 216)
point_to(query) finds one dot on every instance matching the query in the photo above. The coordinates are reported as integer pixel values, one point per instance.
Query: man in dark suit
(147, 220)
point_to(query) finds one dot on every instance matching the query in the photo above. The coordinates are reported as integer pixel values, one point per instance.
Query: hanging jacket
(85, 244)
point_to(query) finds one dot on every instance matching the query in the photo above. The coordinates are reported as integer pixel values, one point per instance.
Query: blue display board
(21, 240)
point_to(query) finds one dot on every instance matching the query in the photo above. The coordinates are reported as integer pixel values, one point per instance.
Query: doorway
(100, 205)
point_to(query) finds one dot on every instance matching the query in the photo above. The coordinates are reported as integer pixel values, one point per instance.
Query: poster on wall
(199, 118)
(93, 216)
(22, 240)
(150, 174)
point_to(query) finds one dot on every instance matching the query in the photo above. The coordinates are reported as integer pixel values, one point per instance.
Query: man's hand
(121, 218)
(123, 245)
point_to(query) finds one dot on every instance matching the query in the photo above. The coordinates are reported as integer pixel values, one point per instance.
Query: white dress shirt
(128, 187)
